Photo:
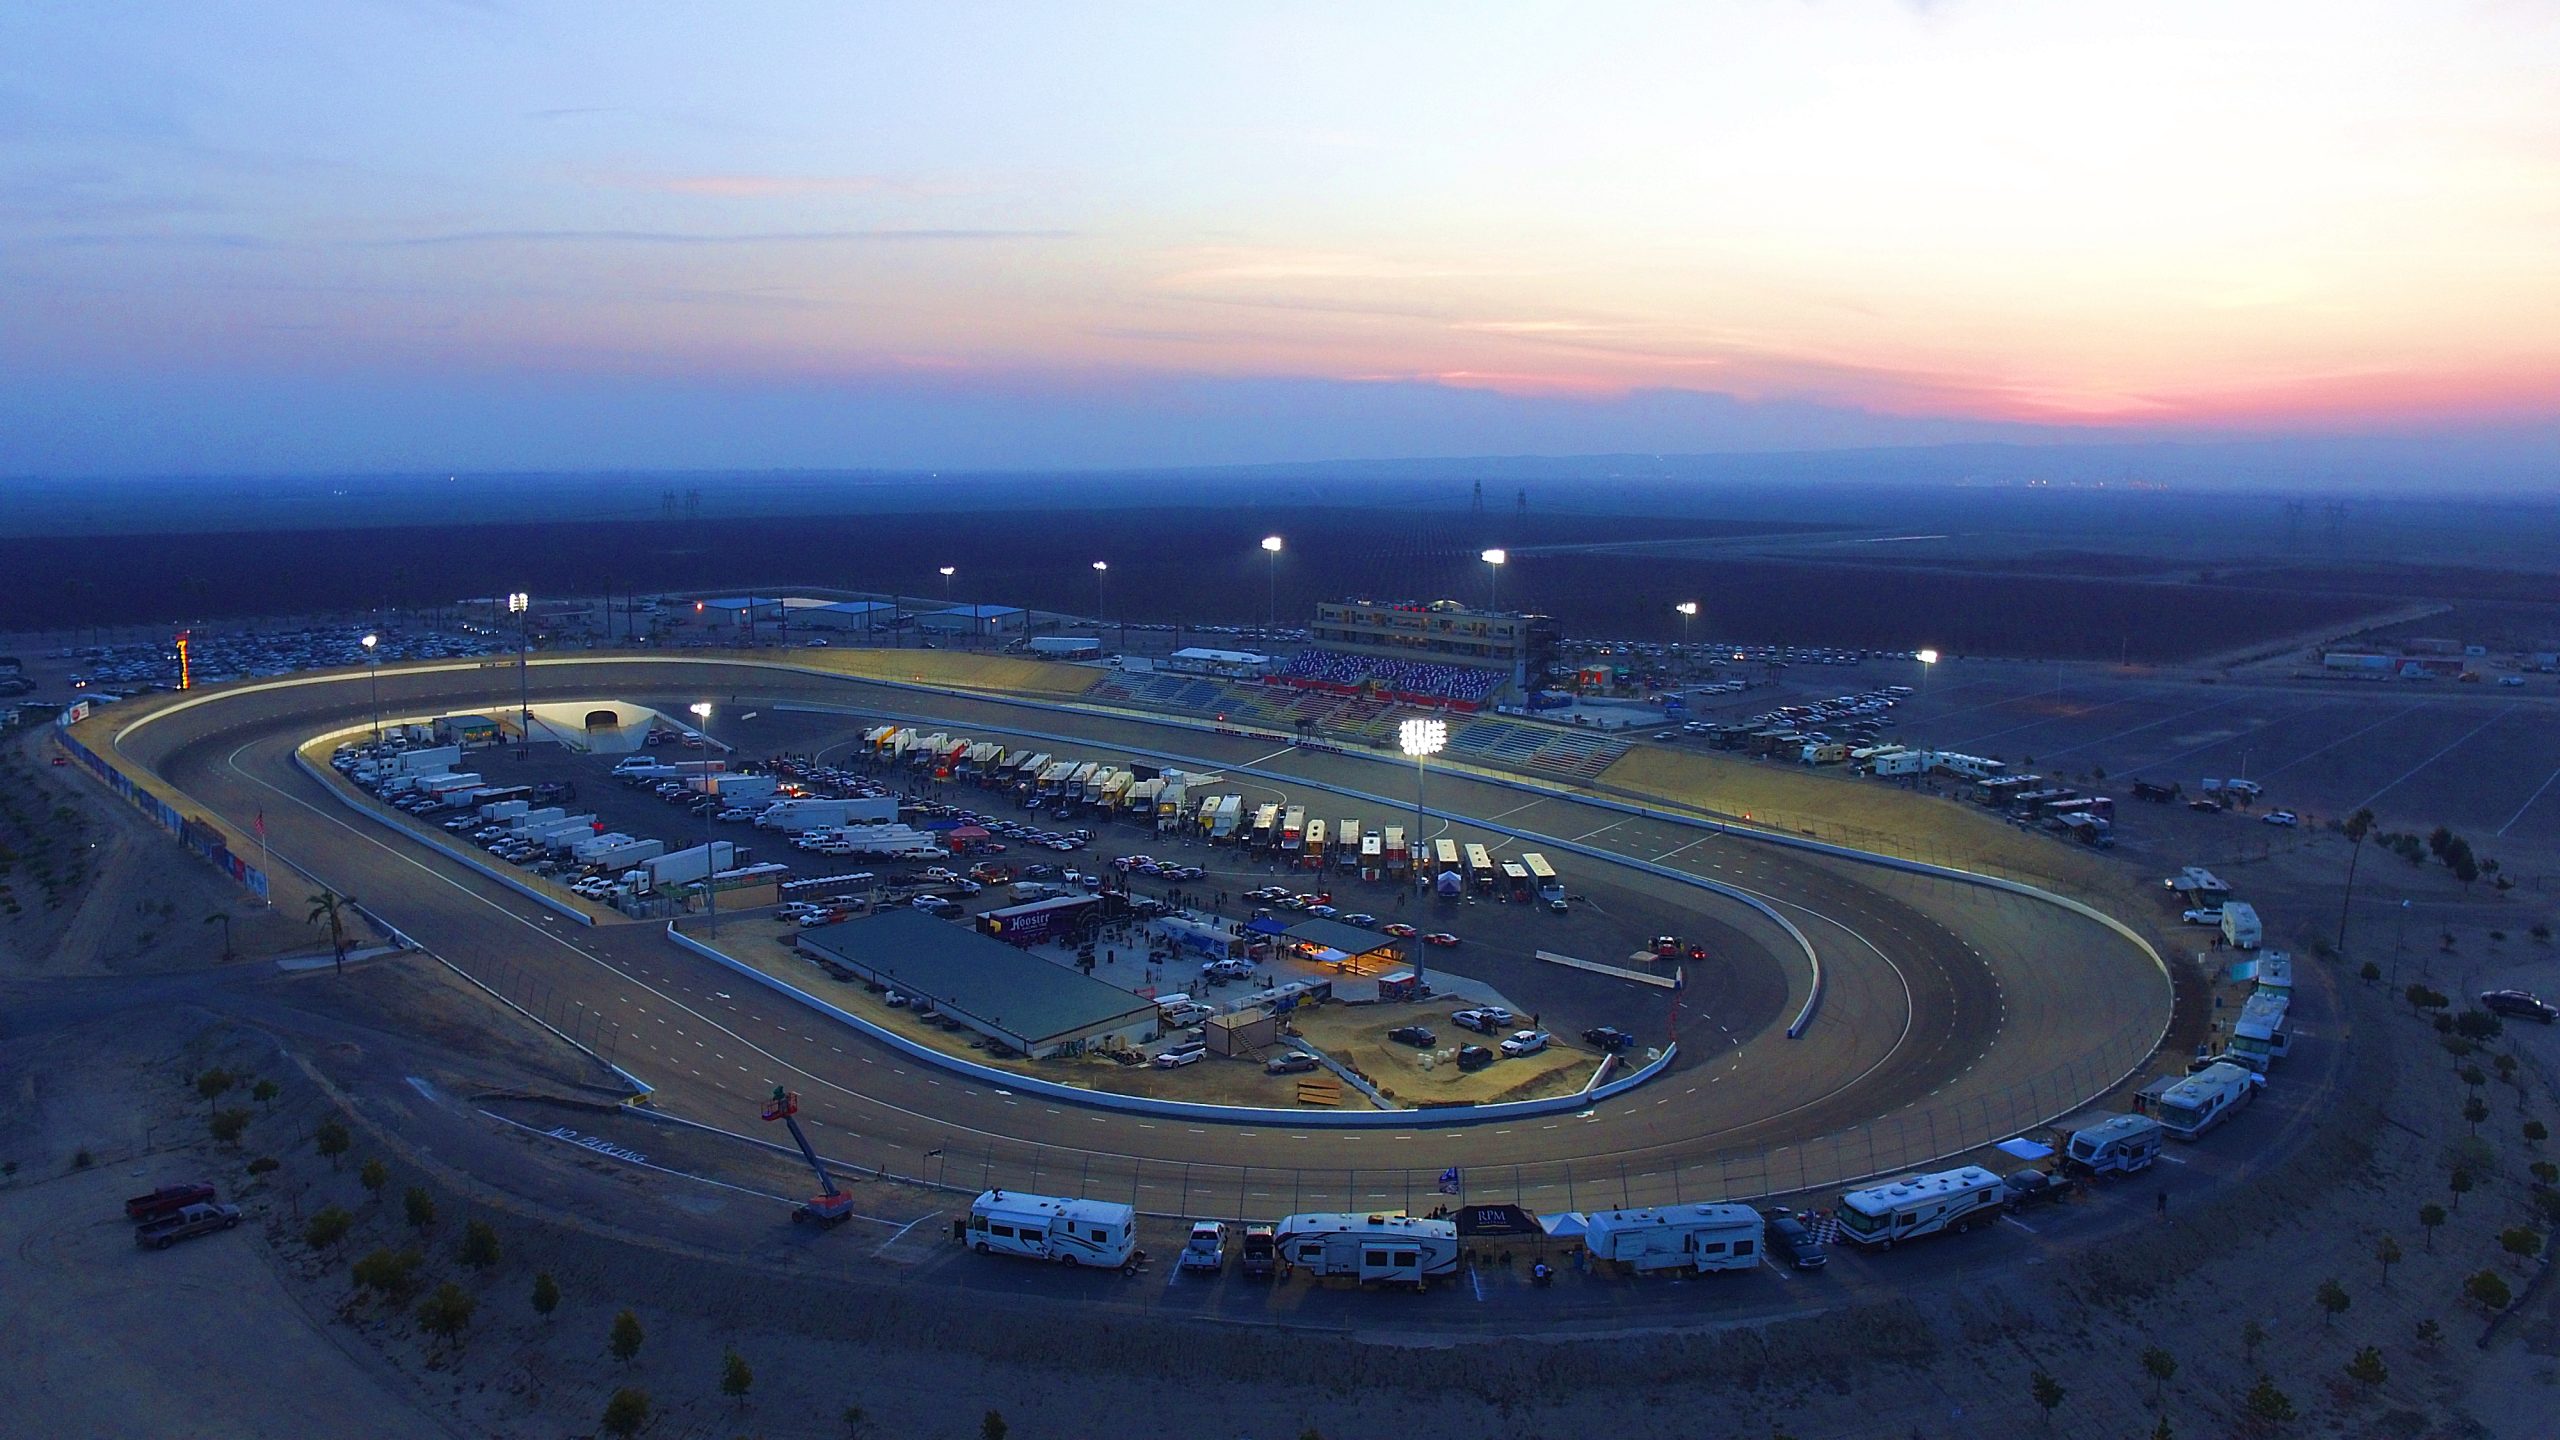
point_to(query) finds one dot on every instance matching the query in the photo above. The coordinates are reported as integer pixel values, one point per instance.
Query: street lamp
(1271, 546)
(520, 605)
(1494, 561)
(1688, 611)
(374, 663)
(1419, 738)
(710, 893)
(947, 572)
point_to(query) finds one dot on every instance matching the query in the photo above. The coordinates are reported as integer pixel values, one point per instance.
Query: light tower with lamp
(1420, 737)
(1494, 560)
(710, 866)
(1271, 547)
(373, 663)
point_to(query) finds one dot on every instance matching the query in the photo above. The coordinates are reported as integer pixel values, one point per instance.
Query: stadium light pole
(521, 606)
(373, 662)
(710, 893)
(1688, 611)
(1271, 547)
(947, 572)
(1928, 661)
(1101, 571)
(1421, 738)
(1494, 560)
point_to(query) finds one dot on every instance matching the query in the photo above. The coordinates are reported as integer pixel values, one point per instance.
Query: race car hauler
(1543, 875)
(1678, 1237)
(1399, 1249)
(1918, 1205)
(1051, 1227)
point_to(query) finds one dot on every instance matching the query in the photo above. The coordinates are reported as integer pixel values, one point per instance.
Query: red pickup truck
(188, 1223)
(166, 1201)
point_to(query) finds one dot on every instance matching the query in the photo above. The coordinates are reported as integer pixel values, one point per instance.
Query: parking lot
(2480, 758)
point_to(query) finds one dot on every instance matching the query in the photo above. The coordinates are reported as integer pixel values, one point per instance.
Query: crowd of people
(1428, 678)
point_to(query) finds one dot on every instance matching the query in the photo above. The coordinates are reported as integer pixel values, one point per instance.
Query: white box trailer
(1902, 762)
(683, 867)
(2120, 1145)
(1918, 1205)
(739, 789)
(1399, 1249)
(504, 809)
(430, 760)
(1051, 1227)
(565, 829)
(617, 852)
(1065, 647)
(1222, 826)
(2192, 1108)
(793, 816)
(2240, 924)
(1696, 1238)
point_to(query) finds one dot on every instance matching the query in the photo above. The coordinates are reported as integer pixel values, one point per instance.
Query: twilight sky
(462, 235)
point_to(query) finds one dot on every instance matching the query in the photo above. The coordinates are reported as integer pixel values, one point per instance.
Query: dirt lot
(1357, 1036)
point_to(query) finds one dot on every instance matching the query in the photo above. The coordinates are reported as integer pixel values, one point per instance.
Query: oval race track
(1952, 1014)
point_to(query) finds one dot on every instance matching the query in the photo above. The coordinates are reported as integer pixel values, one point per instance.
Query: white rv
(1050, 1227)
(1395, 1248)
(2259, 1038)
(1918, 1205)
(2120, 1145)
(1678, 1237)
(2205, 1099)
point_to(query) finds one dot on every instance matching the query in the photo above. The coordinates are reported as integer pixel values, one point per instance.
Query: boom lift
(830, 1206)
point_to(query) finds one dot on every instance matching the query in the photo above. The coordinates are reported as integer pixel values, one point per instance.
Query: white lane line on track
(2318, 751)
(2430, 760)
(2528, 803)
(232, 762)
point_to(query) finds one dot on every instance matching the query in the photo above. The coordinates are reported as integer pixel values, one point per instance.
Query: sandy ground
(1357, 1036)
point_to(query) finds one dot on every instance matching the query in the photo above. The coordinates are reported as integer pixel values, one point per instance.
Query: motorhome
(1051, 1227)
(2192, 1107)
(1444, 857)
(1319, 836)
(2120, 1145)
(2275, 972)
(1293, 830)
(1373, 852)
(1696, 1238)
(1347, 841)
(1394, 1248)
(1480, 872)
(1266, 827)
(1918, 1205)
(1398, 858)
(1515, 879)
(2259, 1038)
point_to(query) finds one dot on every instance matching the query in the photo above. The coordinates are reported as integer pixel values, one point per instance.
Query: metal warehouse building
(1032, 1005)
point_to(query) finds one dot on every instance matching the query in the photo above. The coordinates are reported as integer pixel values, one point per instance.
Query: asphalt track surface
(1950, 1012)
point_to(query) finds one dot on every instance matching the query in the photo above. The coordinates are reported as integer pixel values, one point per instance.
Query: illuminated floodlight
(518, 602)
(950, 570)
(701, 709)
(1688, 609)
(1101, 564)
(1495, 557)
(1418, 738)
(1926, 657)
(1271, 544)
(370, 641)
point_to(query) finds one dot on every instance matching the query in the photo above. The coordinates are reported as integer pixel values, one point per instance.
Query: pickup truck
(188, 1223)
(166, 1201)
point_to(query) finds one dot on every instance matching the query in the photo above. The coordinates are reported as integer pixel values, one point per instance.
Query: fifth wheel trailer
(1395, 1248)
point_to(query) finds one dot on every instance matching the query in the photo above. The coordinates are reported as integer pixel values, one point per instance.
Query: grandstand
(1420, 681)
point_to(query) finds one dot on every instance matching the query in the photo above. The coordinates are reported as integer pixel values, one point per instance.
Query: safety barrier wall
(1183, 1109)
(203, 839)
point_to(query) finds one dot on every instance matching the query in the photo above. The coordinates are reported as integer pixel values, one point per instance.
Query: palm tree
(333, 907)
(2357, 826)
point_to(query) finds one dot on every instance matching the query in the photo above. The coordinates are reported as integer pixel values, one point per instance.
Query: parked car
(1417, 1036)
(1175, 1059)
(2285, 818)
(2031, 1187)
(1484, 1020)
(186, 1224)
(1474, 1057)
(1525, 1042)
(1608, 1039)
(168, 1200)
(1399, 929)
(1441, 938)
(2202, 915)
(1793, 1239)
(1294, 1063)
(2520, 1005)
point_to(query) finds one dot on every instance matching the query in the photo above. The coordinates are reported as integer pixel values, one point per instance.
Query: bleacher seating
(1409, 677)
